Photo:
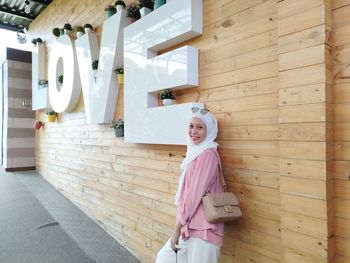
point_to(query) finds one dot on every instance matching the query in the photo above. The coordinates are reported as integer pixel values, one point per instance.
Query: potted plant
(119, 5)
(60, 79)
(37, 124)
(43, 83)
(167, 96)
(67, 28)
(94, 64)
(133, 12)
(80, 31)
(120, 75)
(145, 6)
(37, 41)
(110, 10)
(56, 32)
(88, 28)
(158, 3)
(118, 127)
(51, 115)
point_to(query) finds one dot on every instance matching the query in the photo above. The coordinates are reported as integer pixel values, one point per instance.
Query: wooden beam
(16, 12)
(11, 27)
(42, 2)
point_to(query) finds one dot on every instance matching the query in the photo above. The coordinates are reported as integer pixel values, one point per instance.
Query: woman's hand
(175, 237)
(175, 240)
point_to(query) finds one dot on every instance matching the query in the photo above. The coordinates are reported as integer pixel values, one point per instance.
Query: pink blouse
(202, 176)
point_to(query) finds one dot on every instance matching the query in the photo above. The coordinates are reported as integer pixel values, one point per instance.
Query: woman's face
(197, 130)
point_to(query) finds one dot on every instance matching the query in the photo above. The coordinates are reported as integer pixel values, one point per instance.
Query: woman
(194, 238)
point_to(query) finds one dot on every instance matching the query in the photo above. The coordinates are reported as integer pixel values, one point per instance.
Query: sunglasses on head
(202, 111)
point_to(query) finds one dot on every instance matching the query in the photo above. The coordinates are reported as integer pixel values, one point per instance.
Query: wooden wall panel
(265, 71)
(305, 130)
(120, 185)
(341, 60)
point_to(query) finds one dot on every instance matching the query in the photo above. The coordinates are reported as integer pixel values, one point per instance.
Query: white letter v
(100, 91)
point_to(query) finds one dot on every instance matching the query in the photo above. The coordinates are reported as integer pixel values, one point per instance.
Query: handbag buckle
(228, 208)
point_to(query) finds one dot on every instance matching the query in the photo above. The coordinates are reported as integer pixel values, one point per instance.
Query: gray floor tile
(89, 236)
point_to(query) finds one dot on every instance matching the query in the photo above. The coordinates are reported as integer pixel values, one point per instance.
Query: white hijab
(193, 151)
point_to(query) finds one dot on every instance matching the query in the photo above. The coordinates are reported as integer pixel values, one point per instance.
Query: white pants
(193, 250)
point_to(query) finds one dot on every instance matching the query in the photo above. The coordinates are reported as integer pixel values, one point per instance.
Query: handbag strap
(221, 173)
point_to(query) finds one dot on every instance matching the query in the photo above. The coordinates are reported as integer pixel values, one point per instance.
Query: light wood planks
(341, 23)
(305, 94)
(122, 184)
(266, 73)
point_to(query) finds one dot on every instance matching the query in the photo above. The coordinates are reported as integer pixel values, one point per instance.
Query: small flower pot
(144, 11)
(119, 132)
(167, 102)
(88, 30)
(158, 3)
(51, 118)
(79, 34)
(120, 78)
(109, 13)
(119, 8)
(37, 125)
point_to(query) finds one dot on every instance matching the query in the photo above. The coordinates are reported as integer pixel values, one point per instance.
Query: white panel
(146, 73)
(23, 84)
(40, 97)
(23, 162)
(21, 142)
(101, 93)
(23, 122)
(65, 97)
(23, 65)
(87, 51)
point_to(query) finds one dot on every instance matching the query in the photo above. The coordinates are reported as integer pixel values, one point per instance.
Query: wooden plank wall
(341, 74)
(264, 72)
(305, 130)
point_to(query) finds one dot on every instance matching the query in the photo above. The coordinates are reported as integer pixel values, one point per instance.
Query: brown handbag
(221, 207)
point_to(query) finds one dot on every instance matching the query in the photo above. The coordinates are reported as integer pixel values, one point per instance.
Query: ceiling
(13, 17)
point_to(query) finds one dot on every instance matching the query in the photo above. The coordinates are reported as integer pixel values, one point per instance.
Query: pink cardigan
(202, 176)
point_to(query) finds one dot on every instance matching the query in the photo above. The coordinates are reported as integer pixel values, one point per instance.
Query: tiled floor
(89, 236)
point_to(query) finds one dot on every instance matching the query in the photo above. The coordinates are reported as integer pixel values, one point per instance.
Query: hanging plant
(67, 26)
(110, 10)
(158, 3)
(60, 79)
(133, 12)
(119, 71)
(43, 83)
(95, 64)
(80, 31)
(56, 32)
(37, 124)
(119, 5)
(51, 115)
(167, 96)
(120, 75)
(88, 28)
